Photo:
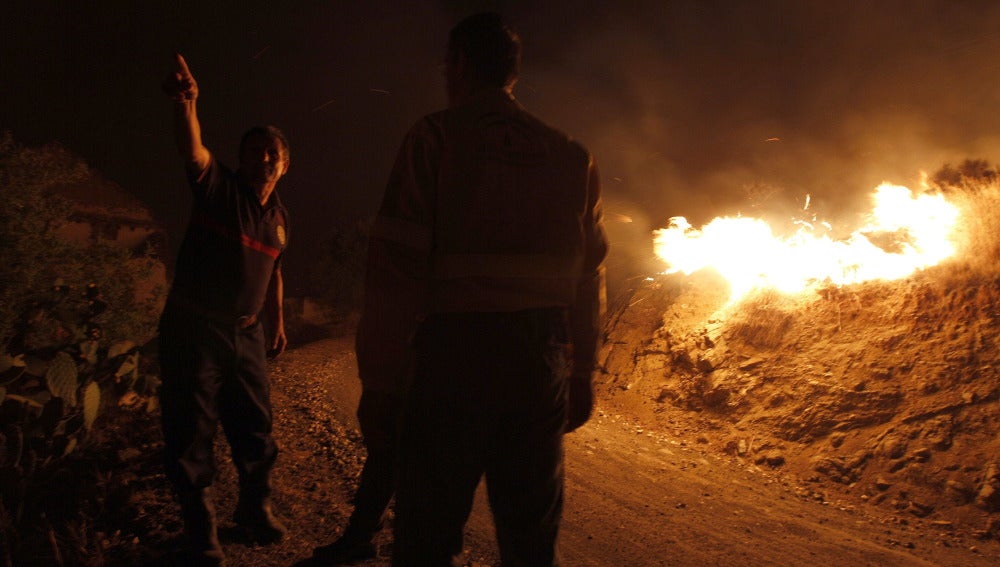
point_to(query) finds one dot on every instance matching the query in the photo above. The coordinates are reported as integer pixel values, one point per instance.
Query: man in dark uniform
(212, 340)
(488, 253)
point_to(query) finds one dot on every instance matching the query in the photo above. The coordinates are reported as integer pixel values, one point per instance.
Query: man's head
(264, 155)
(482, 52)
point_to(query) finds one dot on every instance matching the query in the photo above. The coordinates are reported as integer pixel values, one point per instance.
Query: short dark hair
(269, 132)
(492, 47)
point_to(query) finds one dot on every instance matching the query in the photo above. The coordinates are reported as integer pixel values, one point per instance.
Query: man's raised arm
(181, 87)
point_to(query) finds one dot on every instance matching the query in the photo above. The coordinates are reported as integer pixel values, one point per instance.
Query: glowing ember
(911, 232)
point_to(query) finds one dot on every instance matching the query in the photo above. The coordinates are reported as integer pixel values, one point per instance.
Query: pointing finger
(182, 67)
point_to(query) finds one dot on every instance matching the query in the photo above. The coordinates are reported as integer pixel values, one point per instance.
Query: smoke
(693, 108)
(701, 108)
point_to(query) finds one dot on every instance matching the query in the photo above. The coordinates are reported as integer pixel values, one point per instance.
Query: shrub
(33, 257)
(65, 357)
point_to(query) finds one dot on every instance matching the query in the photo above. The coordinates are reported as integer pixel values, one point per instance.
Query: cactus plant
(61, 378)
(91, 404)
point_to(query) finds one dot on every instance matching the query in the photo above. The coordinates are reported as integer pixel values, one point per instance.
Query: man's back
(508, 182)
(511, 210)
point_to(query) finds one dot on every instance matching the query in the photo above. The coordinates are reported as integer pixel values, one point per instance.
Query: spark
(261, 52)
(324, 105)
(380, 91)
(640, 300)
(773, 139)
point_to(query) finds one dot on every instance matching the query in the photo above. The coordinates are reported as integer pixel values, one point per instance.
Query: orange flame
(914, 230)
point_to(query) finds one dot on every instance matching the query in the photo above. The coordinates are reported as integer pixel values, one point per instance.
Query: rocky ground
(643, 489)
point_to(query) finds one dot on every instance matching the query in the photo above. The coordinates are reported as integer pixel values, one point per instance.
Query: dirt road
(640, 498)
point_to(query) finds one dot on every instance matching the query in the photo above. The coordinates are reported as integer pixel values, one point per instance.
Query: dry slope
(880, 394)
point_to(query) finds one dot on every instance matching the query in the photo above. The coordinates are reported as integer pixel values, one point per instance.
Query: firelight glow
(914, 230)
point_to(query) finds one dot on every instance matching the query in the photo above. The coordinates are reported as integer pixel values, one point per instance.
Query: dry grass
(762, 319)
(968, 281)
(974, 188)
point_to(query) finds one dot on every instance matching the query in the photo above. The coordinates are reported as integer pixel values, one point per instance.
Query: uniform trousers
(212, 372)
(488, 400)
(378, 416)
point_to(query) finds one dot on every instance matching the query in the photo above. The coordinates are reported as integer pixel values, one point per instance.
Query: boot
(255, 515)
(198, 513)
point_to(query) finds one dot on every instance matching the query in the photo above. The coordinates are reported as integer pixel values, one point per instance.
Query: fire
(904, 233)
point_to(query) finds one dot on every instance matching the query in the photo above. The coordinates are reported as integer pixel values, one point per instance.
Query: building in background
(104, 211)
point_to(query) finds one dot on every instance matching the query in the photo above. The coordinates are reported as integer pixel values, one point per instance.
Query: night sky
(692, 108)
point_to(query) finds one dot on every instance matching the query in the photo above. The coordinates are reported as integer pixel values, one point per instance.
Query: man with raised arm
(213, 347)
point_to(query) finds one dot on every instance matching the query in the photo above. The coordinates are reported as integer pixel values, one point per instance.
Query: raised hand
(180, 85)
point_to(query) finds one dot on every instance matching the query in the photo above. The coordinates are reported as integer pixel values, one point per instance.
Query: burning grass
(885, 392)
(903, 232)
(975, 190)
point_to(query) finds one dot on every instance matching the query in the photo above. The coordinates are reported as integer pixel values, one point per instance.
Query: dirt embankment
(883, 396)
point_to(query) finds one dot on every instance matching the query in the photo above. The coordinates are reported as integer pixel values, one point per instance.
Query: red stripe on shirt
(244, 239)
(259, 246)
